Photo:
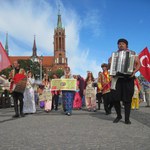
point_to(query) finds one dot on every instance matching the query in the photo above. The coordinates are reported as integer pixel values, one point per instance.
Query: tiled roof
(47, 60)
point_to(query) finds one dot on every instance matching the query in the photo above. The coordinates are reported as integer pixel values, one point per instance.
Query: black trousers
(18, 97)
(124, 92)
(107, 102)
(55, 99)
(99, 99)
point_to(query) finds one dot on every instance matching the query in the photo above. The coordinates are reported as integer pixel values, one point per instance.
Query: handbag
(42, 104)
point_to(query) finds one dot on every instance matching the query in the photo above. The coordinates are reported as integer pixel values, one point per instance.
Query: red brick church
(50, 63)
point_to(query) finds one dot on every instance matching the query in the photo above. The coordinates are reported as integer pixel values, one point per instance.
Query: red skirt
(77, 102)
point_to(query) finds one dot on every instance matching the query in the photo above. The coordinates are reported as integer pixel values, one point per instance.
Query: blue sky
(92, 28)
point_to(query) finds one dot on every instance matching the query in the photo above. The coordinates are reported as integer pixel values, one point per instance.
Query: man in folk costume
(16, 75)
(123, 86)
(105, 80)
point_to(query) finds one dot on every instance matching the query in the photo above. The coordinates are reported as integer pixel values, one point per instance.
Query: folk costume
(135, 98)
(15, 76)
(90, 93)
(47, 96)
(67, 96)
(29, 100)
(124, 87)
(77, 102)
(105, 81)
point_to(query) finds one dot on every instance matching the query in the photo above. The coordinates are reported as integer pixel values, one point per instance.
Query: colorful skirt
(67, 99)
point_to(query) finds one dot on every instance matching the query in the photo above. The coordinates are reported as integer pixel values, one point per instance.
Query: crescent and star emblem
(141, 61)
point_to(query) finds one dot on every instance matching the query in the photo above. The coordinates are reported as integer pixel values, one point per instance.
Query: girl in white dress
(29, 102)
(46, 94)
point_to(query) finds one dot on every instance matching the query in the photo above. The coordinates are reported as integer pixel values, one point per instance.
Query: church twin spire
(34, 49)
(34, 56)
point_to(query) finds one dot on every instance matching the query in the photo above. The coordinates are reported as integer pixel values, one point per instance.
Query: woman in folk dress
(77, 102)
(90, 92)
(29, 103)
(46, 94)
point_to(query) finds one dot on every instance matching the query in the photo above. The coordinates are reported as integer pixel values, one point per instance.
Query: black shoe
(147, 106)
(128, 122)
(16, 116)
(107, 113)
(22, 115)
(117, 119)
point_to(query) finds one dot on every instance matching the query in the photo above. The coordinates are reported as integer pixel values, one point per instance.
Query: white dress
(47, 97)
(29, 102)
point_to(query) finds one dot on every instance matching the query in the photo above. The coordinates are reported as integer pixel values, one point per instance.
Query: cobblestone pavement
(81, 131)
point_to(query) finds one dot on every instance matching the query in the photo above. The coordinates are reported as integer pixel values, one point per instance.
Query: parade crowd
(90, 94)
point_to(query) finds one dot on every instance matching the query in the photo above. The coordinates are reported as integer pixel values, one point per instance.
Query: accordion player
(122, 63)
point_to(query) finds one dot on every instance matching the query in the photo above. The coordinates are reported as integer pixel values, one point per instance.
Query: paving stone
(81, 131)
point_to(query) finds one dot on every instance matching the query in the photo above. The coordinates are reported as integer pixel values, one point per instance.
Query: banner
(144, 57)
(64, 84)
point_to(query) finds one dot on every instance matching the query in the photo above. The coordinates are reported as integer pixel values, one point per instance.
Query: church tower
(34, 56)
(60, 60)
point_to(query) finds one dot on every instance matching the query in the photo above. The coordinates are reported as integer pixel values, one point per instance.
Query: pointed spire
(59, 23)
(6, 44)
(34, 48)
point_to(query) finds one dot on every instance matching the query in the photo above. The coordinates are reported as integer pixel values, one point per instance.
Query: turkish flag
(144, 57)
(4, 60)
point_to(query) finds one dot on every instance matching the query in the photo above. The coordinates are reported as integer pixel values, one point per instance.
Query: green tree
(59, 72)
(6, 72)
(29, 65)
(34, 67)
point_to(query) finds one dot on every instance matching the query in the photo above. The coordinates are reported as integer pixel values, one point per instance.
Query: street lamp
(41, 62)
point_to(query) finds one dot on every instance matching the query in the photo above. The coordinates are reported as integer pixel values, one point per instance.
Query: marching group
(113, 91)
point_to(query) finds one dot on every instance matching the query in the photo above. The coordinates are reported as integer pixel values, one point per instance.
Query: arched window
(60, 58)
(59, 43)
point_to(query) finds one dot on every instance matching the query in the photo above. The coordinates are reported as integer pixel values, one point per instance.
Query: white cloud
(22, 22)
(93, 22)
(24, 19)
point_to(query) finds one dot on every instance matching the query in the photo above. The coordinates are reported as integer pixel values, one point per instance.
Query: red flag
(4, 60)
(144, 57)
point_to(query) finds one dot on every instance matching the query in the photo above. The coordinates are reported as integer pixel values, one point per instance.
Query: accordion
(122, 63)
